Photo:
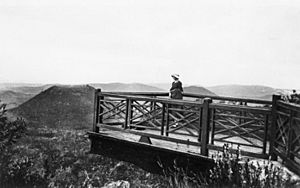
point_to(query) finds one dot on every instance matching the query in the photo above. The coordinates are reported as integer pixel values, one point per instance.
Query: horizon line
(144, 83)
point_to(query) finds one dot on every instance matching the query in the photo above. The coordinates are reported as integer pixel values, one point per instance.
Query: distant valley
(246, 91)
(72, 106)
(16, 94)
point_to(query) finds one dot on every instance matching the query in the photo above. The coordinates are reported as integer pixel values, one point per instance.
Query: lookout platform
(153, 131)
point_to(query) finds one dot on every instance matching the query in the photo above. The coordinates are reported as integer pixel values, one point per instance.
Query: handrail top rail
(152, 94)
(263, 110)
(290, 106)
(239, 99)
(145, 98)
(162, 94)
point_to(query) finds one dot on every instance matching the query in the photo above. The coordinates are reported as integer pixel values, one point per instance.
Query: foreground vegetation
(60, 158)
(33, 156)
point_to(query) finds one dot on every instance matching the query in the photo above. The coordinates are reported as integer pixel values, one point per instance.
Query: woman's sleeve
(173, 86)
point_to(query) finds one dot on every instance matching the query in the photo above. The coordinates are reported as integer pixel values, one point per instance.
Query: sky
(213, 42)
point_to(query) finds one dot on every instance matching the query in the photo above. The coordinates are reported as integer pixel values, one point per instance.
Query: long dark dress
(176, 90)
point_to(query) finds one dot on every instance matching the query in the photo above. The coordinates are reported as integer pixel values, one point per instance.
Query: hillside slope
(12, 99)
(60, 106)
(248, 91)
(198, 90)
(15, 94)
(126, 87)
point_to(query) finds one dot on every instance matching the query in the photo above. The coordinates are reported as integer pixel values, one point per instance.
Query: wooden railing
(204, 121)
(257, 128)
(243, 127)
(286, 133)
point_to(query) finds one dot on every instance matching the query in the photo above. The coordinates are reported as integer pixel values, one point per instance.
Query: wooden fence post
(96, 110)
(292, 136)
(167, 119)
(205, 126)
(129, 113)
(126, 114)
(273, 128)
(266, 132)
(163, 119)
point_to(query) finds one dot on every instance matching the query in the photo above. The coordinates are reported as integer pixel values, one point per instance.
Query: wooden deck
(156, 157)
(173, 142)
(144, 128)
(177, 141)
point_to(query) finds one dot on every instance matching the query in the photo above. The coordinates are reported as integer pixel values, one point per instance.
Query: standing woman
(176, 89)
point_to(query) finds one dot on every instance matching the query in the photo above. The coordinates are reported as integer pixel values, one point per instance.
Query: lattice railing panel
(295, 139)
(113, 110)
(184, 120)
(239, 127)
(287, 137)
(282, 132)
(146, 114)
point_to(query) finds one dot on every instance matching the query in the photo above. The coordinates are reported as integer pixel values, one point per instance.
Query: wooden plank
(290, 106)
(170, 139)
(148, 156)
(258, 101)
(191, 95)
(148, 94)
(167, 100)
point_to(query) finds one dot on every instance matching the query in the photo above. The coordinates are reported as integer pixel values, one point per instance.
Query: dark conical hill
(60, 107)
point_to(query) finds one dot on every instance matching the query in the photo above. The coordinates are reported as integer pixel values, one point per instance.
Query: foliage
(60, 158)
(53, 158)
(230, 171)
(10, 131)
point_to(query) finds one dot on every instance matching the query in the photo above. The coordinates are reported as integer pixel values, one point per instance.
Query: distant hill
(126, 87)
(60, 106)
(248, 91)
(7, 86)
(198, 90)
(12, 99)
(14, 94)
(163, 86)
(30, 89)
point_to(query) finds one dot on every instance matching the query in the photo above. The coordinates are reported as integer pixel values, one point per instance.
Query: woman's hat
(175, 76)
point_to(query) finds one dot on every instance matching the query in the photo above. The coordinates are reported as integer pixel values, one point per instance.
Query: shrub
(10, 131)
(230, 171)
